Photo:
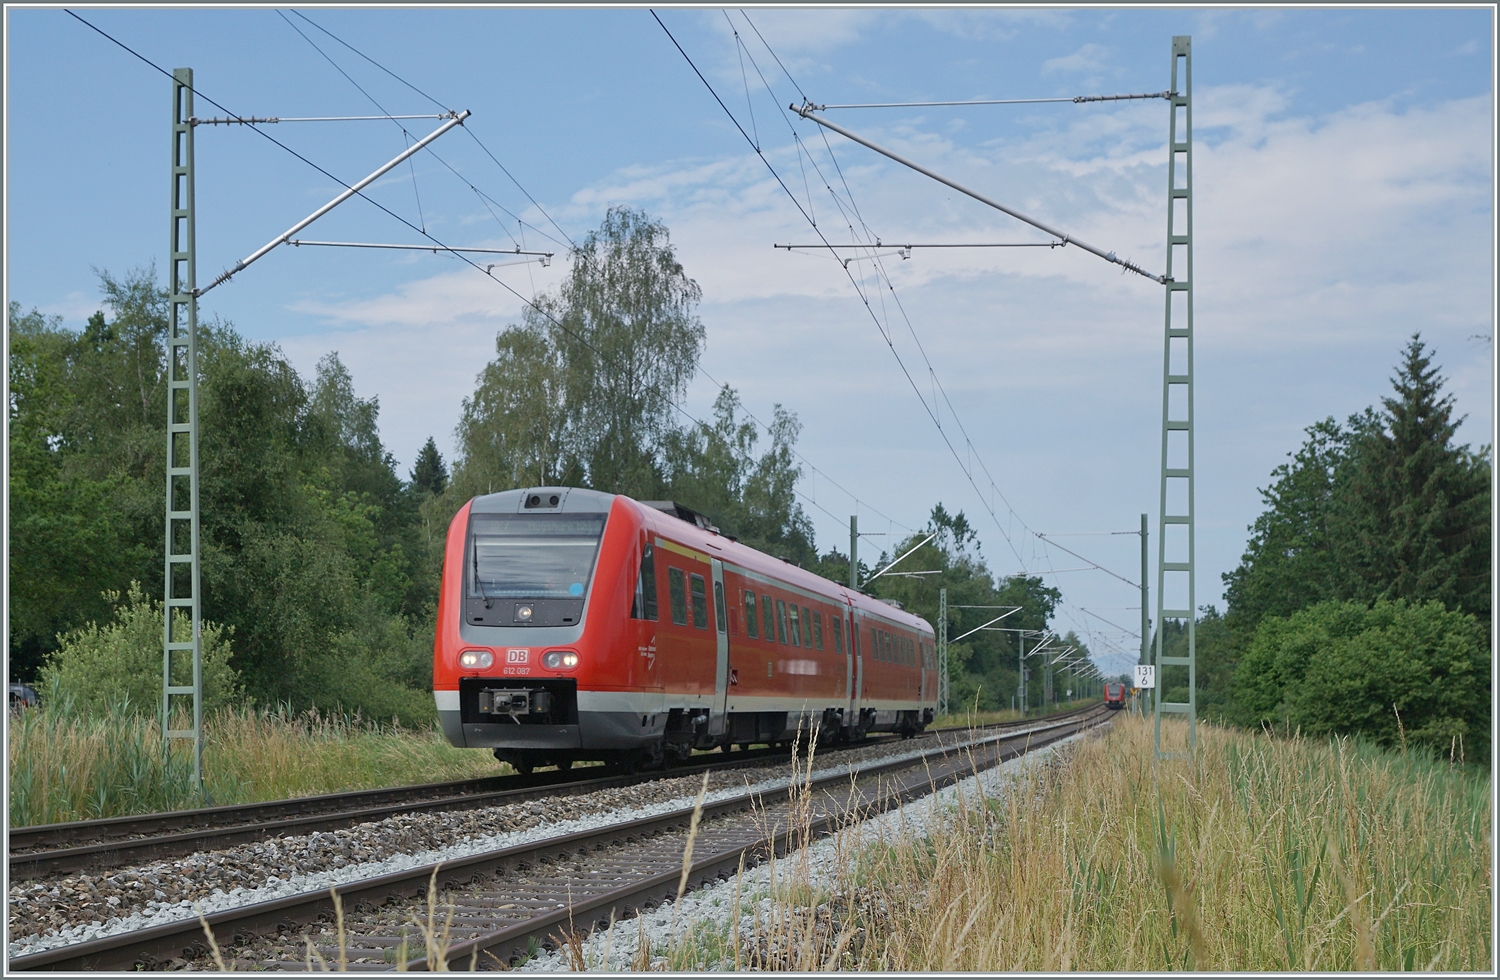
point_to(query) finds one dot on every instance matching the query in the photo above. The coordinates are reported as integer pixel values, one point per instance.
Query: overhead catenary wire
(1111, 257)
(441, 105)
(896, 299)
(828, 245)
(1134, 585)
(439, 244)
(922, 105)
(878, 243)
(485, 198)
(424, 248)
(953, 450)
(247, 120)
(932, 373)
(898, 244)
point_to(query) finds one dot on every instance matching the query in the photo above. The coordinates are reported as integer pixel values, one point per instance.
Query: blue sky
(1344, 188)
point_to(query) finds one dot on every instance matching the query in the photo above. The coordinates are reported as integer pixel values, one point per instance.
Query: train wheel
(565, 765)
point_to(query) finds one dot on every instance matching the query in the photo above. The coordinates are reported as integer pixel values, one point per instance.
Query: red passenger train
(1114, 696)
(574, 624)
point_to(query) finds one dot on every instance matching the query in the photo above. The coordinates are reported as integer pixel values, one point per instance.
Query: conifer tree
(430, 474)
(1415, 506)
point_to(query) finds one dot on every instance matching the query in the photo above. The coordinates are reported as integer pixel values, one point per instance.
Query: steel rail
(119, 841)
(143, 949)
(260, 821)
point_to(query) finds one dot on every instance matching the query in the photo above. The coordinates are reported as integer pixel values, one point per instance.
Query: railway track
(507, 902)
(94, 845)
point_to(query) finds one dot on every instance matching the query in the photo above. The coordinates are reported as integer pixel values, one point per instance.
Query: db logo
(516, 656)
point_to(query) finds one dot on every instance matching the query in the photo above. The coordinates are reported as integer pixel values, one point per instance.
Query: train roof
(693, 528)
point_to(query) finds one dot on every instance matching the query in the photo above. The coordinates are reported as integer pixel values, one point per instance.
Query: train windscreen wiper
(479, 583)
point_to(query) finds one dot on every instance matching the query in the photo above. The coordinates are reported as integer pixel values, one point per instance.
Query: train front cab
(525, 659)
(570, 628)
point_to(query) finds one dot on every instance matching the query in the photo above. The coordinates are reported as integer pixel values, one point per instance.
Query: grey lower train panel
(452, 722)
(595, 730)
(509, 736)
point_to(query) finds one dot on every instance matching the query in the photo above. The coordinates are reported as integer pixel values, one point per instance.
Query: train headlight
(523, 614)
(560, 660)
(476, 659)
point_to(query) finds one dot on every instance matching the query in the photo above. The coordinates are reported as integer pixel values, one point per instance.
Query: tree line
(320, 562)
(1361, 604)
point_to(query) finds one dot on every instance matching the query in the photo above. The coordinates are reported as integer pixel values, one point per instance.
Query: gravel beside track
(743, 907)
(63, 909)
(91, 845)
(57, 910)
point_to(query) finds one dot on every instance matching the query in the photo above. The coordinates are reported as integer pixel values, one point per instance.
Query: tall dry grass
(67, 764)
(1269, 854)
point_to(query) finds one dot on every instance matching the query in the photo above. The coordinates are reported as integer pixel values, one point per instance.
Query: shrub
(380, 670)
(1340, 667)
(120, 662)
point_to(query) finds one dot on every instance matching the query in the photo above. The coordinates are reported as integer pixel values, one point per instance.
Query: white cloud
(1321, 244)
(1089, 58)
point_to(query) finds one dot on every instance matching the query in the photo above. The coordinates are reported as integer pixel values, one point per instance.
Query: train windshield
(532, 556)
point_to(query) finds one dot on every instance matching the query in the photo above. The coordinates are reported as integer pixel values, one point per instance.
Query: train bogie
(574, 624)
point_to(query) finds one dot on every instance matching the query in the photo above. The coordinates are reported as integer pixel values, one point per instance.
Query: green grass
(1263, 853)
(67, 764)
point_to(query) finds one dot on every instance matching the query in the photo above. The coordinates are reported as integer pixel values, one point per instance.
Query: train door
(922, 667)
(721, 634)
(857, 689)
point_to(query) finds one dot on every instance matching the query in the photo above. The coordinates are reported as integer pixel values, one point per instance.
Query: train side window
(780, 621)
(807, 639)
(644, 606)
(768, 614)
(700, 602)
(837, 622)
(817, 621)
(722, 622)
(677, 596)
(795, 628)
(752, 624)
(876, 652)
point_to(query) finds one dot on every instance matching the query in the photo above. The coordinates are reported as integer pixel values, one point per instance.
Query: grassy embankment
(67, 765)
(70, 765)
(1274, 853)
